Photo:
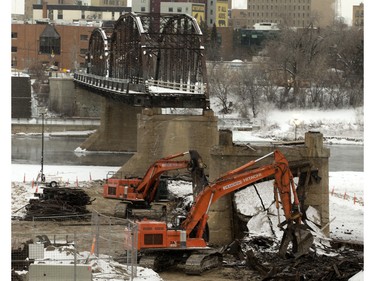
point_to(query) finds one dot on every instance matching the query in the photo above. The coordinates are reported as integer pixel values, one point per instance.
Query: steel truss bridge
(148, 60)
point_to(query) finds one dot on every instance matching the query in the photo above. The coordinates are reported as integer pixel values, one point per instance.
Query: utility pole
(42, 155)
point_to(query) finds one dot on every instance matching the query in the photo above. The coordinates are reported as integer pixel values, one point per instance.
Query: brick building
(61, 46)
(358, 15)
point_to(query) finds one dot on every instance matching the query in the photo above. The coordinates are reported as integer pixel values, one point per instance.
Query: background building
(71, 13)
(29, 5)
(358, 15)
(55, 46)
(141, 6)
(293, 13)
(217, 13)
(324, 11)
(102, 3)
(195, 8)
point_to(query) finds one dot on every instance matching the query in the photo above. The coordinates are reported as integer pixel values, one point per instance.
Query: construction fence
(85, 247)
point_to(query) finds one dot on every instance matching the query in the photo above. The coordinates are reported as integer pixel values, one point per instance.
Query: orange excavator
(187, 242)
(147, 196)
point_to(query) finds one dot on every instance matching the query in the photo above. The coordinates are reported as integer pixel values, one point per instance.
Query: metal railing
(57, 121)
(90, 239)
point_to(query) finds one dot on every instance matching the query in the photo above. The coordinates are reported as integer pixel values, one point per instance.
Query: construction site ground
(259, 266)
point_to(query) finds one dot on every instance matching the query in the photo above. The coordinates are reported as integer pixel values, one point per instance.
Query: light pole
(296, 122)
(42, 177)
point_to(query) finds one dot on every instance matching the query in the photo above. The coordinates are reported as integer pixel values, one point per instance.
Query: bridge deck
(146, 94)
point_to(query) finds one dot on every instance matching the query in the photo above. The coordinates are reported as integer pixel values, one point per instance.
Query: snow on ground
(347, 215)
(103, 268)
(346, 188)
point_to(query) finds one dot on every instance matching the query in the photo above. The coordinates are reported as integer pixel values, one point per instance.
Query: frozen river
(60, 151)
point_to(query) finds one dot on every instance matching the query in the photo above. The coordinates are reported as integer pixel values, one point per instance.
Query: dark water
(60, 151)
(346, 158)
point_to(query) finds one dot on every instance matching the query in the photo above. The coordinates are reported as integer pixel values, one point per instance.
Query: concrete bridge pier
(118, 128)
(159, 135)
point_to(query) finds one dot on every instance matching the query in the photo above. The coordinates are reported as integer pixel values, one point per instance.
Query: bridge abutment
(118, 128)
(71, 101)
(225, 156)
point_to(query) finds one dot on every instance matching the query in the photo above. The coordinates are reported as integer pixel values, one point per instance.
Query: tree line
(301, 68)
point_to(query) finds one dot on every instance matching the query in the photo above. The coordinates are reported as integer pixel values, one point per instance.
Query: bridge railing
(109, 83)
(197, 88)
(120, 85)
(56, 121)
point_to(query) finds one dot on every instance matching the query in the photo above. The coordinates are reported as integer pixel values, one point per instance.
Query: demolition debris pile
(321, 263)
(58, 202)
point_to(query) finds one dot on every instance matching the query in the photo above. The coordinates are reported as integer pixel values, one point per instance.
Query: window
(170, 10)
(84, 37)
(14, 35)
(60, 14)
(49, 41)
(179, 10)
(143, 9)
(50, 14)
(14, 49)
(82, 15)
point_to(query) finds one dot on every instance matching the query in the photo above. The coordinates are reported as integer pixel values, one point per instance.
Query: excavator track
(199, 262)
(149, 262)
(158, 261)
(120, 210)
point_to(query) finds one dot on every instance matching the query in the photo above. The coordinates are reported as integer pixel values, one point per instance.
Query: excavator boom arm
(231, 182)
(152, 176)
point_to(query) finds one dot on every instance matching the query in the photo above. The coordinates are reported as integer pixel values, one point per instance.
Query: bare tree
(346, 55)
(221, 84)
(249, 90)
(295, 56)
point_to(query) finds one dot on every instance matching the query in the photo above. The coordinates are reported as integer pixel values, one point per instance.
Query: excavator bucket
(301, 239)
(197, 172)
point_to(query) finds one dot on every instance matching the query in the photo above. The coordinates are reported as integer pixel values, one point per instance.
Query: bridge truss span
(153, 60)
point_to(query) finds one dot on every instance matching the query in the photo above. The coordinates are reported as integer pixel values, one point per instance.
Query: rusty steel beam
(160, 50)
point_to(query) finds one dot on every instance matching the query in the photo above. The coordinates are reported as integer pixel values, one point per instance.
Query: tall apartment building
(358, 16)
(296, 13)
